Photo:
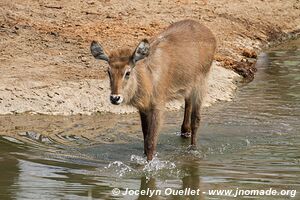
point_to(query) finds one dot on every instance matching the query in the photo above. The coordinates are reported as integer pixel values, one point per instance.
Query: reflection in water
(9, 172)
(148, 185)
(190, 182)
(37, 180)
(250, 143)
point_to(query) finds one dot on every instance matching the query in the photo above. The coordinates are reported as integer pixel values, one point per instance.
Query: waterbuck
(174, 64)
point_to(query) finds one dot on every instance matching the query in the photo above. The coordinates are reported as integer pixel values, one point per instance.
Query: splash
(139, 165)
(157, 165)
(139, 160)
(120, 168)
(153, 165)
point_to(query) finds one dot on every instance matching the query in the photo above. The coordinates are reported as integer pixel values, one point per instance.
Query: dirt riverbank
(46, 66)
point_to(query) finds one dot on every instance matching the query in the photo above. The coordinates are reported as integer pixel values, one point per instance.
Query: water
(250, 143)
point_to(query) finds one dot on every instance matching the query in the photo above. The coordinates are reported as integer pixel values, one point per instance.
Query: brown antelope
(174, 64)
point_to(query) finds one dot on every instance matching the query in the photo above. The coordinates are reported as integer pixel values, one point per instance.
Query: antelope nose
(115, 99)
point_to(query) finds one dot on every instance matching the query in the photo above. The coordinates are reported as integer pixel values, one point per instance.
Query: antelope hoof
(149, 157)
(192, 148)
(185, 135)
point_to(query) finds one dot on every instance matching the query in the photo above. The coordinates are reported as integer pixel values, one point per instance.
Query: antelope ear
(98, 52)
(141, 51)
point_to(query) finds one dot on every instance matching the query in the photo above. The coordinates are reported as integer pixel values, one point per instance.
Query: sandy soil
(46, 66)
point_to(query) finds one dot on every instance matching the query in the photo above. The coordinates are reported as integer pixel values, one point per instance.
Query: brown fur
(177, 67)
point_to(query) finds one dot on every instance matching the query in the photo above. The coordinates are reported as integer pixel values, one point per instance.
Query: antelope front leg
(195, 122)
(144, 122)
(152, 133)
(186, 124)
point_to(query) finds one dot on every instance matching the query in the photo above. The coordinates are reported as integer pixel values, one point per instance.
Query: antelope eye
(127, 75)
